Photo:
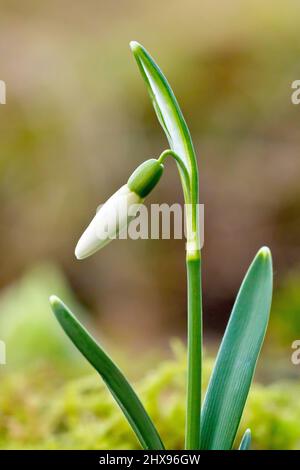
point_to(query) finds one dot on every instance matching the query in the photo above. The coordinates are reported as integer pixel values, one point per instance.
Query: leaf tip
(246, 440)
(134, 46)
(137, 49)
(60, 310)
(53, 299)
(56, 304)
(264, 253)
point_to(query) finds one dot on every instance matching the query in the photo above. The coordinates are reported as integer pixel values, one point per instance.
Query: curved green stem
(171, 153)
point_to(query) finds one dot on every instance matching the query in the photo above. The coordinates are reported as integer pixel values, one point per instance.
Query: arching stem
(171, 153)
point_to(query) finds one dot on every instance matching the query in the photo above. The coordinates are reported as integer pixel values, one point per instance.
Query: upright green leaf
(113, 378)
(235, 364)
(168, 112)
(246, 440)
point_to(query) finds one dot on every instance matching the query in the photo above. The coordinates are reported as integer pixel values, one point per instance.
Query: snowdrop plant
(213, 424)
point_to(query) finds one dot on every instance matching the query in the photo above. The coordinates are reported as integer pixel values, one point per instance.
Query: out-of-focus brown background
(78, 120)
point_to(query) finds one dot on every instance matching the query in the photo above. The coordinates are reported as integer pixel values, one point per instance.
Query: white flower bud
(110, 220)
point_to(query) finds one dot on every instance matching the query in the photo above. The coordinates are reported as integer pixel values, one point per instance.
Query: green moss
(41, 411)
(285, 316)
(42, 405)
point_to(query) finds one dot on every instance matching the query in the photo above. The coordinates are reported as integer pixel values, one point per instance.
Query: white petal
(109, 221)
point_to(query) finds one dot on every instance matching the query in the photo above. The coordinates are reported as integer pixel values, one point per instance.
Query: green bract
(216, 426)
(145, 177)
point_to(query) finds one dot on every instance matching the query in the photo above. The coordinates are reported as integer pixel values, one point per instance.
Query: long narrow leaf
(113, 378)
(246, 440)
(232, 375)
(167, 110)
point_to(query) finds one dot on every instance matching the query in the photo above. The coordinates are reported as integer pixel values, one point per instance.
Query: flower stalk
(194, 294)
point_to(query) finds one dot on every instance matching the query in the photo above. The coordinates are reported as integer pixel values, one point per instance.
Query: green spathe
(145, 177)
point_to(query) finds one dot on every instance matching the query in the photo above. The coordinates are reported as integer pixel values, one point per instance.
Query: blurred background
(78, 120)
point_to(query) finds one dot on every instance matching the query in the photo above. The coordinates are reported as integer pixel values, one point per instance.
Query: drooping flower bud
(109, 221)
(114, 216)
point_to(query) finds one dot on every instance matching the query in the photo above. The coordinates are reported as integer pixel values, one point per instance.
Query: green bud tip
(145, 177)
